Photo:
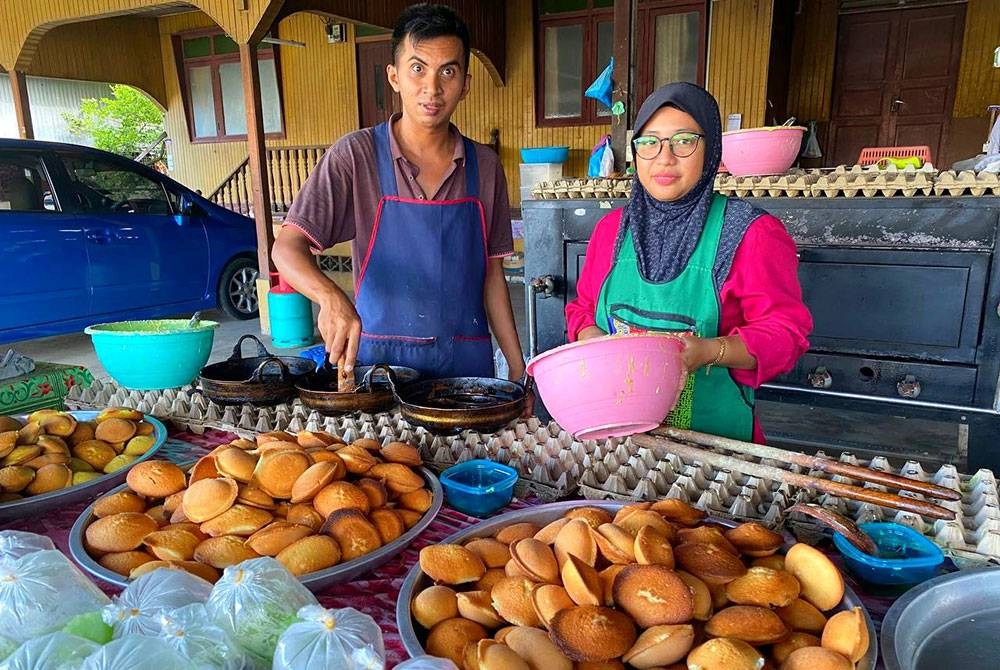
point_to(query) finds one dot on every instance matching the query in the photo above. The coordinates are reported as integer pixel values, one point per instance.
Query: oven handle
(538, 287)
(891, 401)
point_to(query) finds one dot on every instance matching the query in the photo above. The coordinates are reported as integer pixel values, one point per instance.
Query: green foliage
(126, 123)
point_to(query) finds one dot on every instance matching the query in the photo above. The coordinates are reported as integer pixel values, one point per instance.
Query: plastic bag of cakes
(138, 608)
(17, 543)
(189, 630)
(41, 591)
(321, 638)
(136, 652)
(424, 662)
(50, 652)
(255, 601)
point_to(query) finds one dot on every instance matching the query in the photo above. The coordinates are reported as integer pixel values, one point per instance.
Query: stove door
(924, 305)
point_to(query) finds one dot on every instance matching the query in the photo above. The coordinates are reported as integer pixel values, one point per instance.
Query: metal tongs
(697, 446)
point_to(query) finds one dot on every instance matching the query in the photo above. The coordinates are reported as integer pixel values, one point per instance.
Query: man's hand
(340, 327)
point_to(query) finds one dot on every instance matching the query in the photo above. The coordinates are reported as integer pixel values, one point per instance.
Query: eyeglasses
(682, 145)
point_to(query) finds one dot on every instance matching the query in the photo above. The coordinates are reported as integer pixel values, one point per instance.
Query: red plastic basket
(871, 155)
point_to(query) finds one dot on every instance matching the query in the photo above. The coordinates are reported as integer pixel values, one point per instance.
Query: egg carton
(967, 182)
(548, 460)
(872, 182)
(631, 473)
(794, 184)
(603, 188)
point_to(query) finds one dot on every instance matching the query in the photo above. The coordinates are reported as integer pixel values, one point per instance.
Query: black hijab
(665, 233)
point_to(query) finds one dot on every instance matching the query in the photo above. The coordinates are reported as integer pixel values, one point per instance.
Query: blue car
(90, 237)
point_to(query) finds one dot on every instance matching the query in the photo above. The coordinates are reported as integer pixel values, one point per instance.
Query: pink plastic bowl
(610, 386)
(759, 151)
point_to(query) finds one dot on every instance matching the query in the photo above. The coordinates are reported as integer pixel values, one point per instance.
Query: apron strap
(471, 169)
(383, 159)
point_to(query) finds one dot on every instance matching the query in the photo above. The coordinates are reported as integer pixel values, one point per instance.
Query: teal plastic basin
(152, 355)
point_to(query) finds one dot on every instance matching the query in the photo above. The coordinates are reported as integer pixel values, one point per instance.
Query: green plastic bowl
(152, 355)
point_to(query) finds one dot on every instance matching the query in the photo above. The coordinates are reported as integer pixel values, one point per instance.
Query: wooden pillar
(624, 30)
(257, 155)
(22, 110)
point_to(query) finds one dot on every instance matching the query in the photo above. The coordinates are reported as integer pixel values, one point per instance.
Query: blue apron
(420, 288)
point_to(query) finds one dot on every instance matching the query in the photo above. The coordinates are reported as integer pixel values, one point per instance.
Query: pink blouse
(761, 298)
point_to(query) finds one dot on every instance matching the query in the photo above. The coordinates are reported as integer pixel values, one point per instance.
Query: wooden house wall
(978, 80)
(739, 47)
(814, 47)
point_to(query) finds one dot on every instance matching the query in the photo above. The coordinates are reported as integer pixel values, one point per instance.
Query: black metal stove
(905, 295)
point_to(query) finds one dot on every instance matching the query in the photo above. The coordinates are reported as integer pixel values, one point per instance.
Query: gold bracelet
(718, 359)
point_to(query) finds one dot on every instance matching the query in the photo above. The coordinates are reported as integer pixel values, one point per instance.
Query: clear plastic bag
(424, 662)
(55, 651)
(255, 601)
(138, 608)
(41, 591)
(7, 647)
(136, 652)
(189, 630)
(17, 543)
(344, 639)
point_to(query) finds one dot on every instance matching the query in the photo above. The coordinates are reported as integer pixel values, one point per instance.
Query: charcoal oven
(905, 295)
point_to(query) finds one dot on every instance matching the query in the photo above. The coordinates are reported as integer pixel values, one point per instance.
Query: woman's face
(668, 177)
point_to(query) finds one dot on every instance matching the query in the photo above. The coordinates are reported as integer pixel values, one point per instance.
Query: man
(428, 213)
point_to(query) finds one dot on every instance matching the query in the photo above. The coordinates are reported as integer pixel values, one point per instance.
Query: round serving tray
(949, 621)
(314, 581)
(34, 505)
(416, 580)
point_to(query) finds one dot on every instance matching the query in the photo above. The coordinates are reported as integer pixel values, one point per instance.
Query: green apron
(687, 305)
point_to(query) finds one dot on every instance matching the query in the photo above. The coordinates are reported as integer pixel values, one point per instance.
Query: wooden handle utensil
(345, 379)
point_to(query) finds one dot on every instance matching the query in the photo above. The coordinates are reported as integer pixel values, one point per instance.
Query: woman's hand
(699, 352)
(590, 332)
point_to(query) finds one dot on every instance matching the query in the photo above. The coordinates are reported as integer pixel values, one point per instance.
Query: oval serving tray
(416, 580)
(314, 581)
(34, 505)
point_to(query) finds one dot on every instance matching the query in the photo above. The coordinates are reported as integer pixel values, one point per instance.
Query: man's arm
(501, 317)
(338, 322)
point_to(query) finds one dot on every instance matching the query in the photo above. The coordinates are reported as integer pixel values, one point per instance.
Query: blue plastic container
(905, 556)
(544, 154)
(478, 487)
(152, 355)
(289, 315)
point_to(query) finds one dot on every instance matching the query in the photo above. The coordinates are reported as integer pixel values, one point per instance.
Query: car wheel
(238, 289)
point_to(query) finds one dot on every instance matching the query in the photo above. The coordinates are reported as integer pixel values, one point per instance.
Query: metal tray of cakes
(416, 580)
(38, 504)
(315, 581)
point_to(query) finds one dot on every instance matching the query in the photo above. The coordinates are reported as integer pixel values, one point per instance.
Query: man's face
(430, 78)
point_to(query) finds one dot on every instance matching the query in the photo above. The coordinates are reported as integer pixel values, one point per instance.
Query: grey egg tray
(548, 460)
(623, 471)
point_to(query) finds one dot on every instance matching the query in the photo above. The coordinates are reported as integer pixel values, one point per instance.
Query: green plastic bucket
(151, 355)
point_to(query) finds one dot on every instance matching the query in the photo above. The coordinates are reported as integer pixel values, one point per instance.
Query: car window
(106, 187)
(24, 186)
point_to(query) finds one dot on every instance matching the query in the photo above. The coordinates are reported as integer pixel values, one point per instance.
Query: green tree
(127, 123)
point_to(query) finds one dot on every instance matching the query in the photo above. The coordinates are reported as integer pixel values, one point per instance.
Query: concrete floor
(76, 349)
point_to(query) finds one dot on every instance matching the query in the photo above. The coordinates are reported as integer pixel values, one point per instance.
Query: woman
(680, 258)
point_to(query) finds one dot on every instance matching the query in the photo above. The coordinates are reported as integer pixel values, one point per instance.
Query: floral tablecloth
(374, 594)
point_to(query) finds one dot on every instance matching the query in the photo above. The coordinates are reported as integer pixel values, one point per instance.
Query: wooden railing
(287, 169)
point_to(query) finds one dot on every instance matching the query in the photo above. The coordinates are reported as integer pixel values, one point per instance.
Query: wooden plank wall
(740, 40)
(978, 80)
(814, 48)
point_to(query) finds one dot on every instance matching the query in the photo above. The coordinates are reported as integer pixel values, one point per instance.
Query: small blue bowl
(544, 154)
(905, 556)
(478, 487)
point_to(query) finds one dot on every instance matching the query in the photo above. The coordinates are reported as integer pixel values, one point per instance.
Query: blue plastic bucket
(291, 319)
(151, 355)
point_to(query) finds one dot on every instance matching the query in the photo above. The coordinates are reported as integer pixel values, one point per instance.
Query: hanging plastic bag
(136, 652)
(255, 601)
(55, 651)
(812, 149)
(603, 86)
(17, 543)
(40, 592)
(191, 632)
(138, 608)
(424, 662)
(602, 159)
(345, 639)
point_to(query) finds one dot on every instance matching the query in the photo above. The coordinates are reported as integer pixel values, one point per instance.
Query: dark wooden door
(377, 101)
(895, 79)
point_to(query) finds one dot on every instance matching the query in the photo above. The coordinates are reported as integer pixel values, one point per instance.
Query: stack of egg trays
(619, 470)
(548, 460)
